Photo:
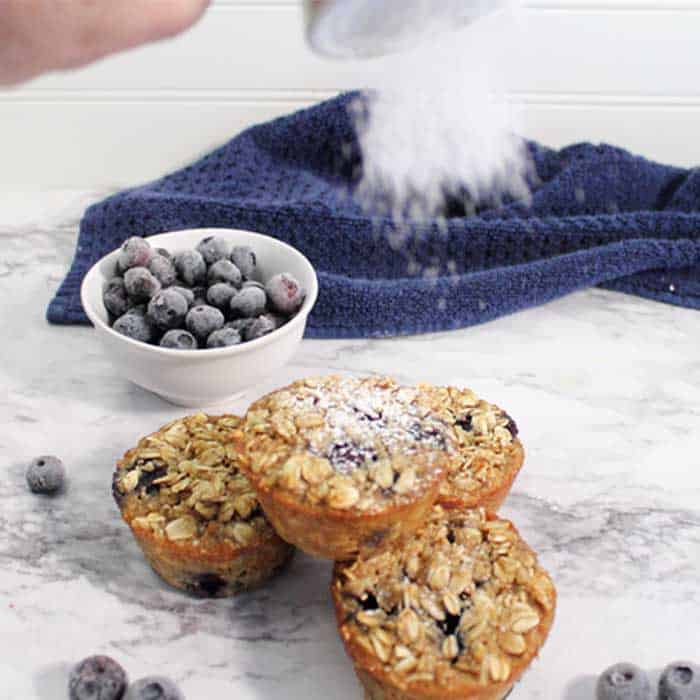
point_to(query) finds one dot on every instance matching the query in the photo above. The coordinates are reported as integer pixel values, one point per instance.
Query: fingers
(42, 35)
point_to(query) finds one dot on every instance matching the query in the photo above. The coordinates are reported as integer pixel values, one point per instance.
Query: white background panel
(622, 71)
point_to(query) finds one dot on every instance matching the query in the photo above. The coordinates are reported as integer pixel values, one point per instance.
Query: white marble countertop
(605, 388)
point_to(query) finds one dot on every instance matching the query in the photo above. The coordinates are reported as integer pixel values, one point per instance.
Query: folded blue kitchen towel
(598, 216)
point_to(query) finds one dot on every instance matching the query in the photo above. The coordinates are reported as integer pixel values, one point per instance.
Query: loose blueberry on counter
(224, 338)
(214, 248)
(114, 296)
(163, 269)
(135, 252)
(680, 681)
(245, 260)
(140, 284)
(46, 474)
(202, 321)
(167, 309)
(178, 340)
(188, 294)
(261, 326)
(248, 303)
(623, 681)
(134, 324)
(97, 678)
(191, 267)
(225, 271)
(154, 688)
(220, 295)
(285, 294)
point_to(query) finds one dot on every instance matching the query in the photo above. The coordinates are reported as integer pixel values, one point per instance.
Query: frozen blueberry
(214, 248)
(140, 284)
(167, 309)
(623, 682)
(137, 310)
(224, 338)
(200, 296)
(225, 271)
(136, 252)
(277, 319)
(244, 259)
(165, 253)
(154, 688)
(261, 326)
(135, 325)
(248, 303)
(202, 321)
(241, 325)
(97, 678)
(46, 474)
(220, 295)
(177, 339)
(191, 267)
(163, 269)
(188, 294)
(680, 681)
(253, 283)
(285, 294)
(114, 296)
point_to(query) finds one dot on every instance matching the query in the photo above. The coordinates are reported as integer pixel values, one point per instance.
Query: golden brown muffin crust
(346, 444)
(193, 513)
(488, 455)
(458, 612)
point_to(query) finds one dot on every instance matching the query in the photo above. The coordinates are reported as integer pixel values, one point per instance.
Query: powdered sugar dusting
(367, 420)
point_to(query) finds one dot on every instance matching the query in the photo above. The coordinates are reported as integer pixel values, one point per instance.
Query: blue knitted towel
(598, 216)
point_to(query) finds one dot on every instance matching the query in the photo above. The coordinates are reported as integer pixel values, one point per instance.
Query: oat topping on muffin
(183, 483)
(346, 443)
(487, 445)
(465, 602)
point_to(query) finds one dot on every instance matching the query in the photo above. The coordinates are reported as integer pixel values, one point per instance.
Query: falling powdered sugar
(436, 132)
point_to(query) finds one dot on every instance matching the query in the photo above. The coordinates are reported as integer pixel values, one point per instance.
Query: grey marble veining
(606, 390)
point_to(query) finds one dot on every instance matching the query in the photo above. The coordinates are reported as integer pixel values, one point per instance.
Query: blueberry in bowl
(198, 316)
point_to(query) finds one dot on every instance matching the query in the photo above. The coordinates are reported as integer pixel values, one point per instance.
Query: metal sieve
(367, 28)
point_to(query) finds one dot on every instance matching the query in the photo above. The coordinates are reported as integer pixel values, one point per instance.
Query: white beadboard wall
(622, 71)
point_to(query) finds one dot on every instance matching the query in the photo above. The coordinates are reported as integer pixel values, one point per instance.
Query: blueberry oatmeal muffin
(489, 454)
(342, 465)
(458, 612)
(193, 513)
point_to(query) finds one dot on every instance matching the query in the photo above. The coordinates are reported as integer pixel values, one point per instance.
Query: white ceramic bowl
(197, 378)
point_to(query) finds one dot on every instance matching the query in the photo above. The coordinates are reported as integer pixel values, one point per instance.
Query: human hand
(37, 36)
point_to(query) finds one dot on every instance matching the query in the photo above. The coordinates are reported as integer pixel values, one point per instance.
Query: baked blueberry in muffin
(489, 454)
